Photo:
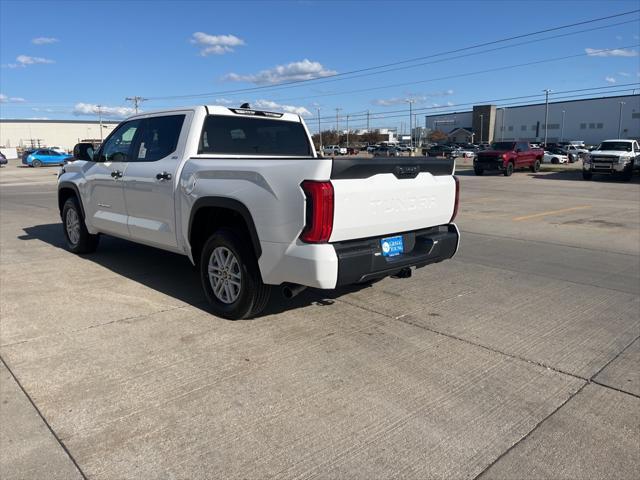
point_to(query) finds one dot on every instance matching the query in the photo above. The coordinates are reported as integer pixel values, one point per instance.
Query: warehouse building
(51, 133)
(591, 120)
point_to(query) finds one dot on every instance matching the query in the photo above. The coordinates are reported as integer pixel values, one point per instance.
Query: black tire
(36, 163)
(586, 175)
(509, 170)
(478, 171)
(253, 295)
(536, 166)
(627, 175)
(82, 241)
(555, 161)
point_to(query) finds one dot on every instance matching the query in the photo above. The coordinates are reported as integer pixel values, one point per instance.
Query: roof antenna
(245, 105)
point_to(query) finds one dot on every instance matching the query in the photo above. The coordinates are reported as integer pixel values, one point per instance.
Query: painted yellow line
(551, 212)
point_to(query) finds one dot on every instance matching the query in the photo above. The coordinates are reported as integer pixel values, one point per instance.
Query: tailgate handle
(406, 171)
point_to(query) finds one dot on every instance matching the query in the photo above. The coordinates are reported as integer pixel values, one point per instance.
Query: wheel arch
(67, 190)
(210, 213)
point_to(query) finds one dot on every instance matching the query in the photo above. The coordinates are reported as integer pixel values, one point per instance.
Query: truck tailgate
(383, 196)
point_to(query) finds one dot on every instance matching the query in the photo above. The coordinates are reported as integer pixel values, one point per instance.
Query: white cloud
(38, 118)
(6, 99)
(624, 74)
(271, 105)
(215, 44)
(44, 40)
(609, 79)
(91, 109)
(419, 98)
(24, 60)
(614, 52)
(224, 101)
(303, 70)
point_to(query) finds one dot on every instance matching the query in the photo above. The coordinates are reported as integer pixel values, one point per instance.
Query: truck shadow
(170, 273)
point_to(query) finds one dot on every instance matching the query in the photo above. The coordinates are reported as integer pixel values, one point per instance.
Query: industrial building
(25, 133)
(591, 120)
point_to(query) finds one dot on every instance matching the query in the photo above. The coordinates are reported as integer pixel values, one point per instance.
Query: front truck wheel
(586, 175)
(230, 276)
(78, 238)
(509, 170)
(535, 167)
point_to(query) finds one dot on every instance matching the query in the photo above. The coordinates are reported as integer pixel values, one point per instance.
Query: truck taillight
(455, 205)
(319, 213)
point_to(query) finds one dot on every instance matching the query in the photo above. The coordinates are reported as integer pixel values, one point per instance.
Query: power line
(401, 62)
(448, 77)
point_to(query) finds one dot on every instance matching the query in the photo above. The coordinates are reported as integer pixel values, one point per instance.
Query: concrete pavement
(516, 359)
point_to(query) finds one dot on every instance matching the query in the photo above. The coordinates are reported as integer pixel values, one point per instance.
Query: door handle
(116, 174)
(163, 176)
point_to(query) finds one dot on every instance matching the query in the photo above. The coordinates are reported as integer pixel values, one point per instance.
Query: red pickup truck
(505, 157)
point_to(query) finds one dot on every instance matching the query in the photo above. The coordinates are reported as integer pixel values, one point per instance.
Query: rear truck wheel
(36, 163)
(478, 171)
(586, 175)
(230, 276)
(78, 238)
(536, 166)
(509, 170)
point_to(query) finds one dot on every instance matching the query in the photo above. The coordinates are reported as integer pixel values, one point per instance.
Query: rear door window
(159, 137)
(253, 136)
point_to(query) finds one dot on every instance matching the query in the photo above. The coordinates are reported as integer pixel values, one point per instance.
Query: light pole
(337, 124)
(481, 126)
(99, 108)
(347, 132)
(546, 113)
(620, 120)
(319, 131)
(562, 128)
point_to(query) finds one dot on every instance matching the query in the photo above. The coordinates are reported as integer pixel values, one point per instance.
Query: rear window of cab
(222, 134)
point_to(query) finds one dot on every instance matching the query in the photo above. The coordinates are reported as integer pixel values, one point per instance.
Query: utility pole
(367, 121)
(410, 101)
(99, 108)
(319, 131)
(136, 101)
(546, 114)
(562, 128)
(337, 124)
(620, 120)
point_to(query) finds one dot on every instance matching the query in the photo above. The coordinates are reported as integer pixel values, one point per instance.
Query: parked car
(3, 160)
(45, 156)
(506, 157)
(618, 156)
(574, 151)
(438, 151)
(292, 221)
(334, 150)
(555, 157)
(464, 152)
(385, 151)
(353, 151)
(371, 148)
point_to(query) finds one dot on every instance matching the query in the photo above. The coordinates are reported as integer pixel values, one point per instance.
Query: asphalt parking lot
(517, 359)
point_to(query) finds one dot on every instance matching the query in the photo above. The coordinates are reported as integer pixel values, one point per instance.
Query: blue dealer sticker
(392, 246)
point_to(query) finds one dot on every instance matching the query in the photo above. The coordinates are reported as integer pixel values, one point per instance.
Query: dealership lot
(517, 359)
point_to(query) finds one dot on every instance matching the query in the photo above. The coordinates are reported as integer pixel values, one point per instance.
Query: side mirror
(83, 151)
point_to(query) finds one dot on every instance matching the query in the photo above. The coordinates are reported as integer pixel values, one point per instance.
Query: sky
(60, 59)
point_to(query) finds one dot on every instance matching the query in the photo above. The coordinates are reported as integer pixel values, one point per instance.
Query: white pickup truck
(243, 194)
(331, 150)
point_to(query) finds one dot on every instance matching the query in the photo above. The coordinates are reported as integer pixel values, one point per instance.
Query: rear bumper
(362, 260)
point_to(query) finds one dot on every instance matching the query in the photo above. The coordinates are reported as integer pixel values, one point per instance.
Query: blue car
(45, 156)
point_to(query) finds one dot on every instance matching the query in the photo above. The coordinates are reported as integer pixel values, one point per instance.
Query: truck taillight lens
(319, 213)
(457, 200)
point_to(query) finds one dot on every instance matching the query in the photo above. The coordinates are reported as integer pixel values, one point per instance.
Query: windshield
(503, 146)
(619, 146)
